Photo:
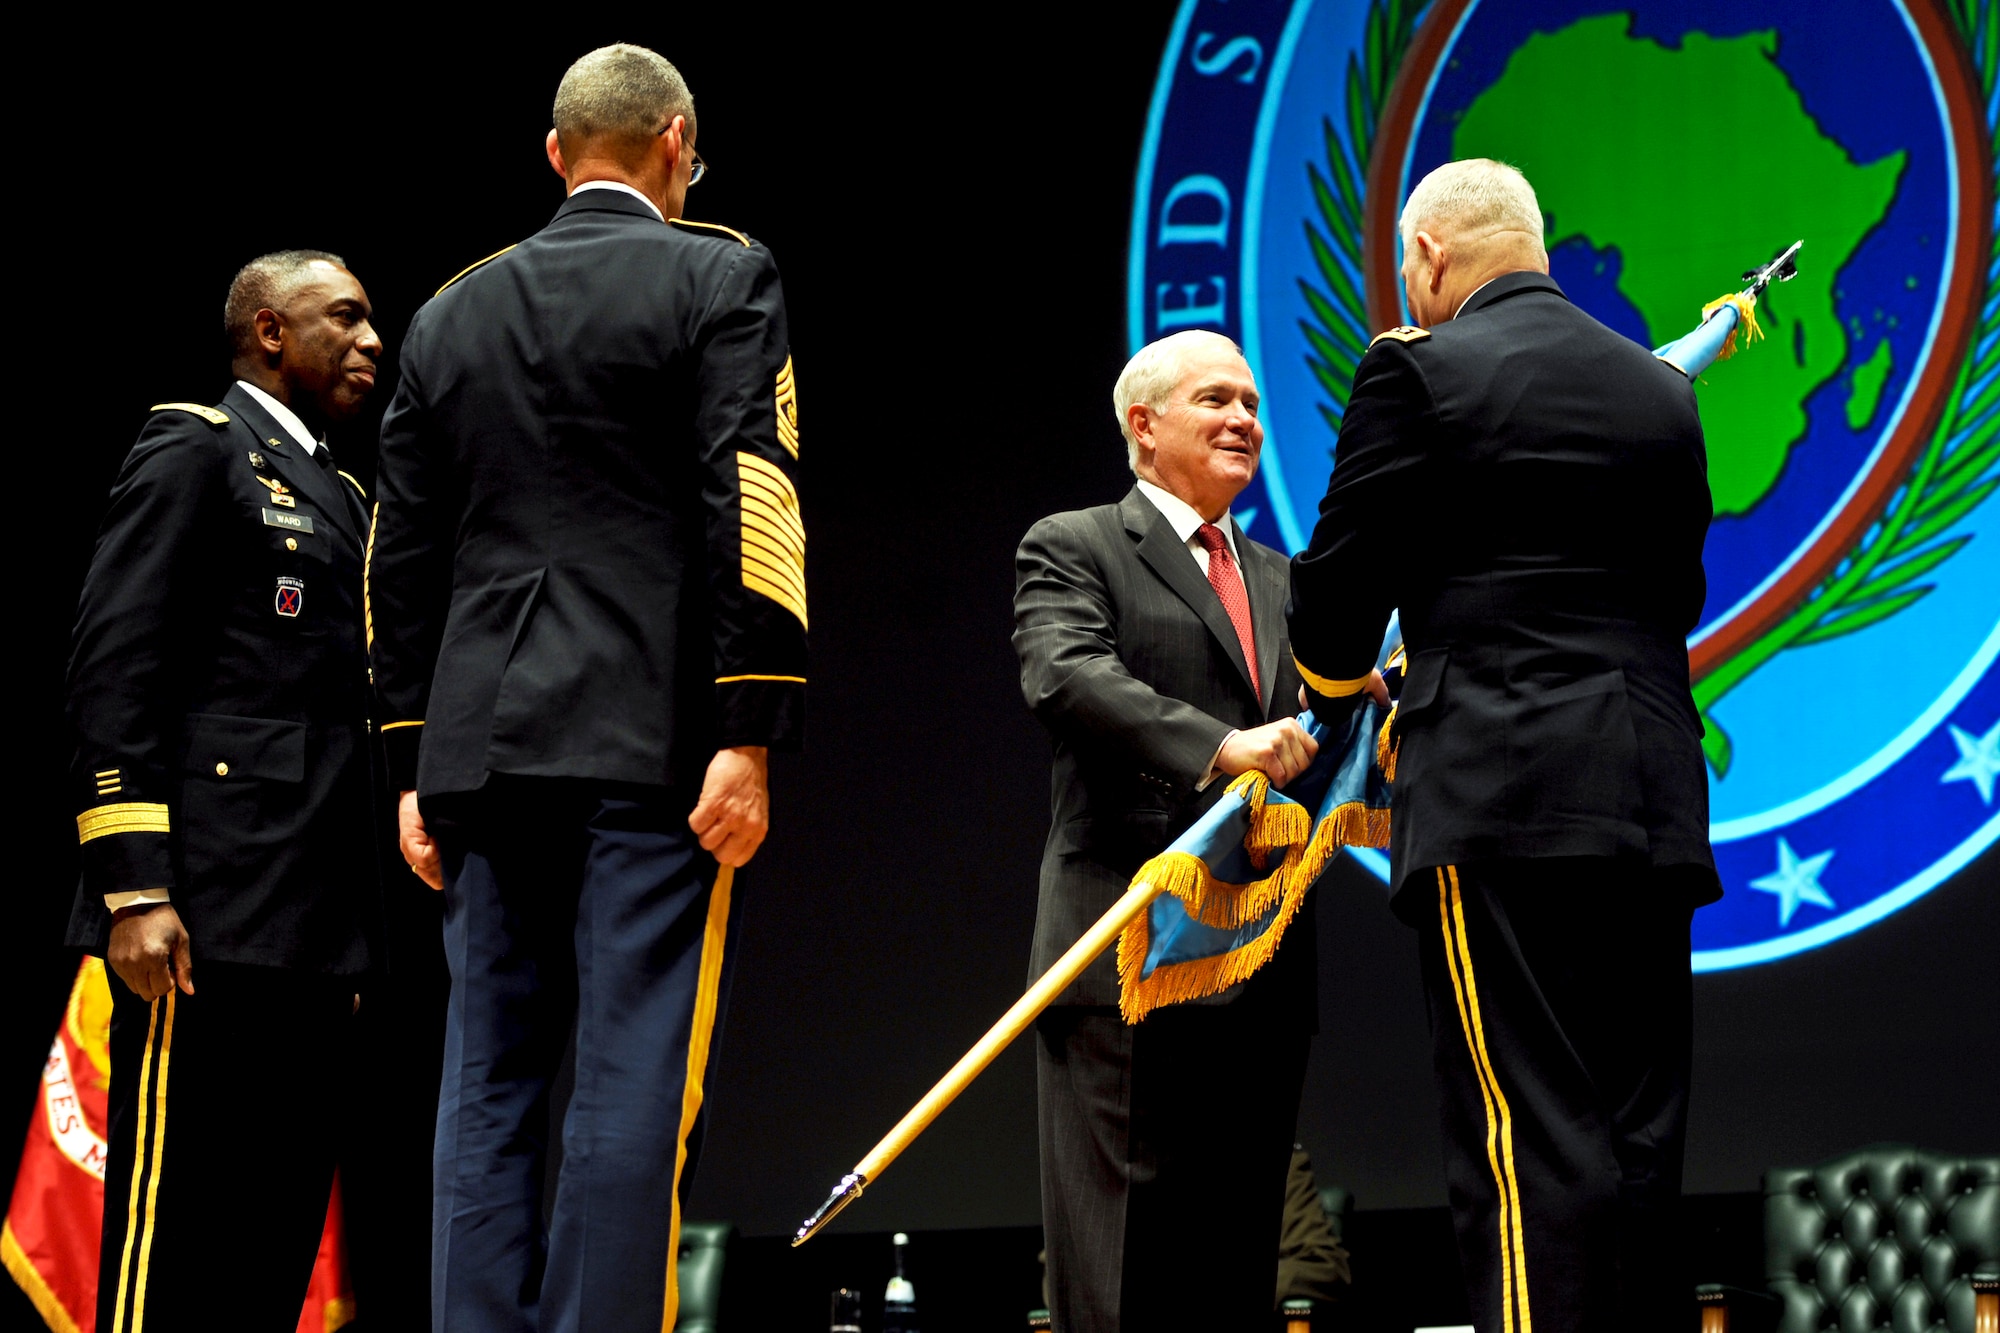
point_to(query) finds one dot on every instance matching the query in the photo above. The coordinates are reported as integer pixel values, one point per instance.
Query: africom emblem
(1845, 668)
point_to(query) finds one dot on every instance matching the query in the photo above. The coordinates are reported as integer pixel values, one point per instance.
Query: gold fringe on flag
(1224, 906)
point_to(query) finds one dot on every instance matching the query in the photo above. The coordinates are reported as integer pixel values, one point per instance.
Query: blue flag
(1237, 877)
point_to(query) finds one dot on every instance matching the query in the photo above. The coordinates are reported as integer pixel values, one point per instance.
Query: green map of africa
(1623, 139)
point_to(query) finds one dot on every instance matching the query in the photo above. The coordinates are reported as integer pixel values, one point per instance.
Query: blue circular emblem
(1845, 664)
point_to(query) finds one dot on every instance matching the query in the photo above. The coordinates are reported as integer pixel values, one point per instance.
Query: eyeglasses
(700, 167)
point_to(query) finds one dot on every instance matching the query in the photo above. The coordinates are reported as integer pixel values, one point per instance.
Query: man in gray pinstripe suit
(1152, 641)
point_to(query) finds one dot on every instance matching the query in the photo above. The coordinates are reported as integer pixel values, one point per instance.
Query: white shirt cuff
(135, 898)
(1213, 771)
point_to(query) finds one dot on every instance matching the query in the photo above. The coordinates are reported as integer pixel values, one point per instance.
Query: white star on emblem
(1795, 881)
(1978, 761)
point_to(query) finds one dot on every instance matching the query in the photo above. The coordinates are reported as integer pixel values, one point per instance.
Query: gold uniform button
(222, 770)
(291, 543)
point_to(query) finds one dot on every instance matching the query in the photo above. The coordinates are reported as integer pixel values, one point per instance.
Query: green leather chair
(1339, 1206)
(1889, 1237)
(704, 1245)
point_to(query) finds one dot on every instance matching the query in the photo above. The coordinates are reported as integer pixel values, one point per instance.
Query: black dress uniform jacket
(1530, 489)
(218, 692)
(594, 569)
(1129, 659)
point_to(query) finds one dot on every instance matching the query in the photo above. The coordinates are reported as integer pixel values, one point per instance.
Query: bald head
(1465, 224)
(615, 101)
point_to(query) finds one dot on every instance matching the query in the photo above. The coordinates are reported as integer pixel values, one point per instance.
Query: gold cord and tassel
(1746, 322)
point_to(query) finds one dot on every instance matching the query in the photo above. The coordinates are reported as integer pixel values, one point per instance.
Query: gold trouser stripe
(124, 817)
(153, 1125)
(1458, 961)
(707, 993)
(159, 1150)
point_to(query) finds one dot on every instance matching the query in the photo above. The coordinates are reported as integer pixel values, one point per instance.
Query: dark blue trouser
(1561, 1009)
(561, 898)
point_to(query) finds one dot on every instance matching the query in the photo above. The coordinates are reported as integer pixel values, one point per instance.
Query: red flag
(50, 1238)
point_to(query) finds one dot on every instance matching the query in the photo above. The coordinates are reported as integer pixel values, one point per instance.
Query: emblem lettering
(1218, 62)
(71, 1132)
(1190, 312)
(1193, 189)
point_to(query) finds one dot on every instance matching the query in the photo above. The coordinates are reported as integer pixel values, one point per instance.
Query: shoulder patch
(208, 414)
(711, 226)
(469, 267)
(1402, 333)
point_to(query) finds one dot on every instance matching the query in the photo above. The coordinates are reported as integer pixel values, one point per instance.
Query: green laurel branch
(1955, 474)
(1337, 334)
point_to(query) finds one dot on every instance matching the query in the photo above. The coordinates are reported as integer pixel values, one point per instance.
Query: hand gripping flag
(50, 1238)
(1237, 877)
(1203, 914)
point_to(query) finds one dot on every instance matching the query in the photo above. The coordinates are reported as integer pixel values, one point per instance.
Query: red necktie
(1228, 585)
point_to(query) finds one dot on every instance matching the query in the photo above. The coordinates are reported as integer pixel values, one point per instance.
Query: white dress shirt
(621, 185)
(1186, 523)
(285, 417)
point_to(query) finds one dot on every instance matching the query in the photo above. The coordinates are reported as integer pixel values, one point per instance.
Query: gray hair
(267, 282)
(620, 92)
(1477, 196)
(1150, 376)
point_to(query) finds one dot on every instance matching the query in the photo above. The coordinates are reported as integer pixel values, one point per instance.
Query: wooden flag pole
(970, 1065)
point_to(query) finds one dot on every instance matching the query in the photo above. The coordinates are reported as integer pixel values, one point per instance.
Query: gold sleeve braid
(123, 817)
(788, 410)
(774, 534)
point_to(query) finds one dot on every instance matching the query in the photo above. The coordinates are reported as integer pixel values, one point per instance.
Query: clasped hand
(1282, 750)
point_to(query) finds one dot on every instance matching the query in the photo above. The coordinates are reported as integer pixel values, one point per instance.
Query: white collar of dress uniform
(1183, 518)
(284, 416)
(623, 188)
(1477, 290)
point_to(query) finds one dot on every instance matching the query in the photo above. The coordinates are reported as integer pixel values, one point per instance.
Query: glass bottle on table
(899, 1301)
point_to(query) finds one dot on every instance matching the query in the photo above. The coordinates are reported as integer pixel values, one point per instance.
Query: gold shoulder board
(469, 267)
(1402, 333)
(208, 414)
(711, 226)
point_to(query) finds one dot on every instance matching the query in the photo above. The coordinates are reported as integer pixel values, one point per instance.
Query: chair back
(704, 1245)
(1888, 1237)
(1338, 1205)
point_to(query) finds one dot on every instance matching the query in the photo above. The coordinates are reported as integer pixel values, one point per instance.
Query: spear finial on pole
(1715, 337)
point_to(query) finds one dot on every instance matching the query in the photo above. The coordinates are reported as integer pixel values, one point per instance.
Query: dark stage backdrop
(950, 210)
